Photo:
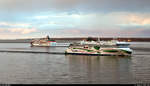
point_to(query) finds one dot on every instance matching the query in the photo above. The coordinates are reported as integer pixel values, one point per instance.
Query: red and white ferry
(47, 42)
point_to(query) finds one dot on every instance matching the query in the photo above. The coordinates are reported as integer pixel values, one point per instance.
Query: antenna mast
(98, 39)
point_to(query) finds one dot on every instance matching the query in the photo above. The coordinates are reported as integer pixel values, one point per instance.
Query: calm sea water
(28, 68)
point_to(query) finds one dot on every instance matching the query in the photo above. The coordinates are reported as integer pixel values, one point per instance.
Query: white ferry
(47, 42)
(100, 48)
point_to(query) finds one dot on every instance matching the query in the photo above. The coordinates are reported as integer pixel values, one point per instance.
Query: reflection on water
(141, 68)
(19, 68)
(100, 69)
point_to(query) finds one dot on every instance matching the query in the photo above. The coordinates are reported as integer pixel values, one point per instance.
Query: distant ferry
(47, 42)
(113, 47)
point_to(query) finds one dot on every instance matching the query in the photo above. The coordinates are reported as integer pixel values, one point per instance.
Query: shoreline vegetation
(76, 39)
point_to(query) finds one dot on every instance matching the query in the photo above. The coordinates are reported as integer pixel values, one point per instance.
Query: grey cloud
(22, 6)
(18, 10)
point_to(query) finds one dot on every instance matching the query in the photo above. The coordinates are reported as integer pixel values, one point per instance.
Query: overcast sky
(74, 18)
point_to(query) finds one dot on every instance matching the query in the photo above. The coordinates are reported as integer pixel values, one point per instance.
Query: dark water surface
(28, 68)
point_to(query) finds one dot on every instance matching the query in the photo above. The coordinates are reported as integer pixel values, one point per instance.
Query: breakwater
(56, 52)
(29, 51)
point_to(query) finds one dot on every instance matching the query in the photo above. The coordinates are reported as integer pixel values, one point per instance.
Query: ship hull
(51, 45)
(95, 54)
(101, 52)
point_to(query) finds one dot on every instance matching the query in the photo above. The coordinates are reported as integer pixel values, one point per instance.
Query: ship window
(112, 51)
(85, 46)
